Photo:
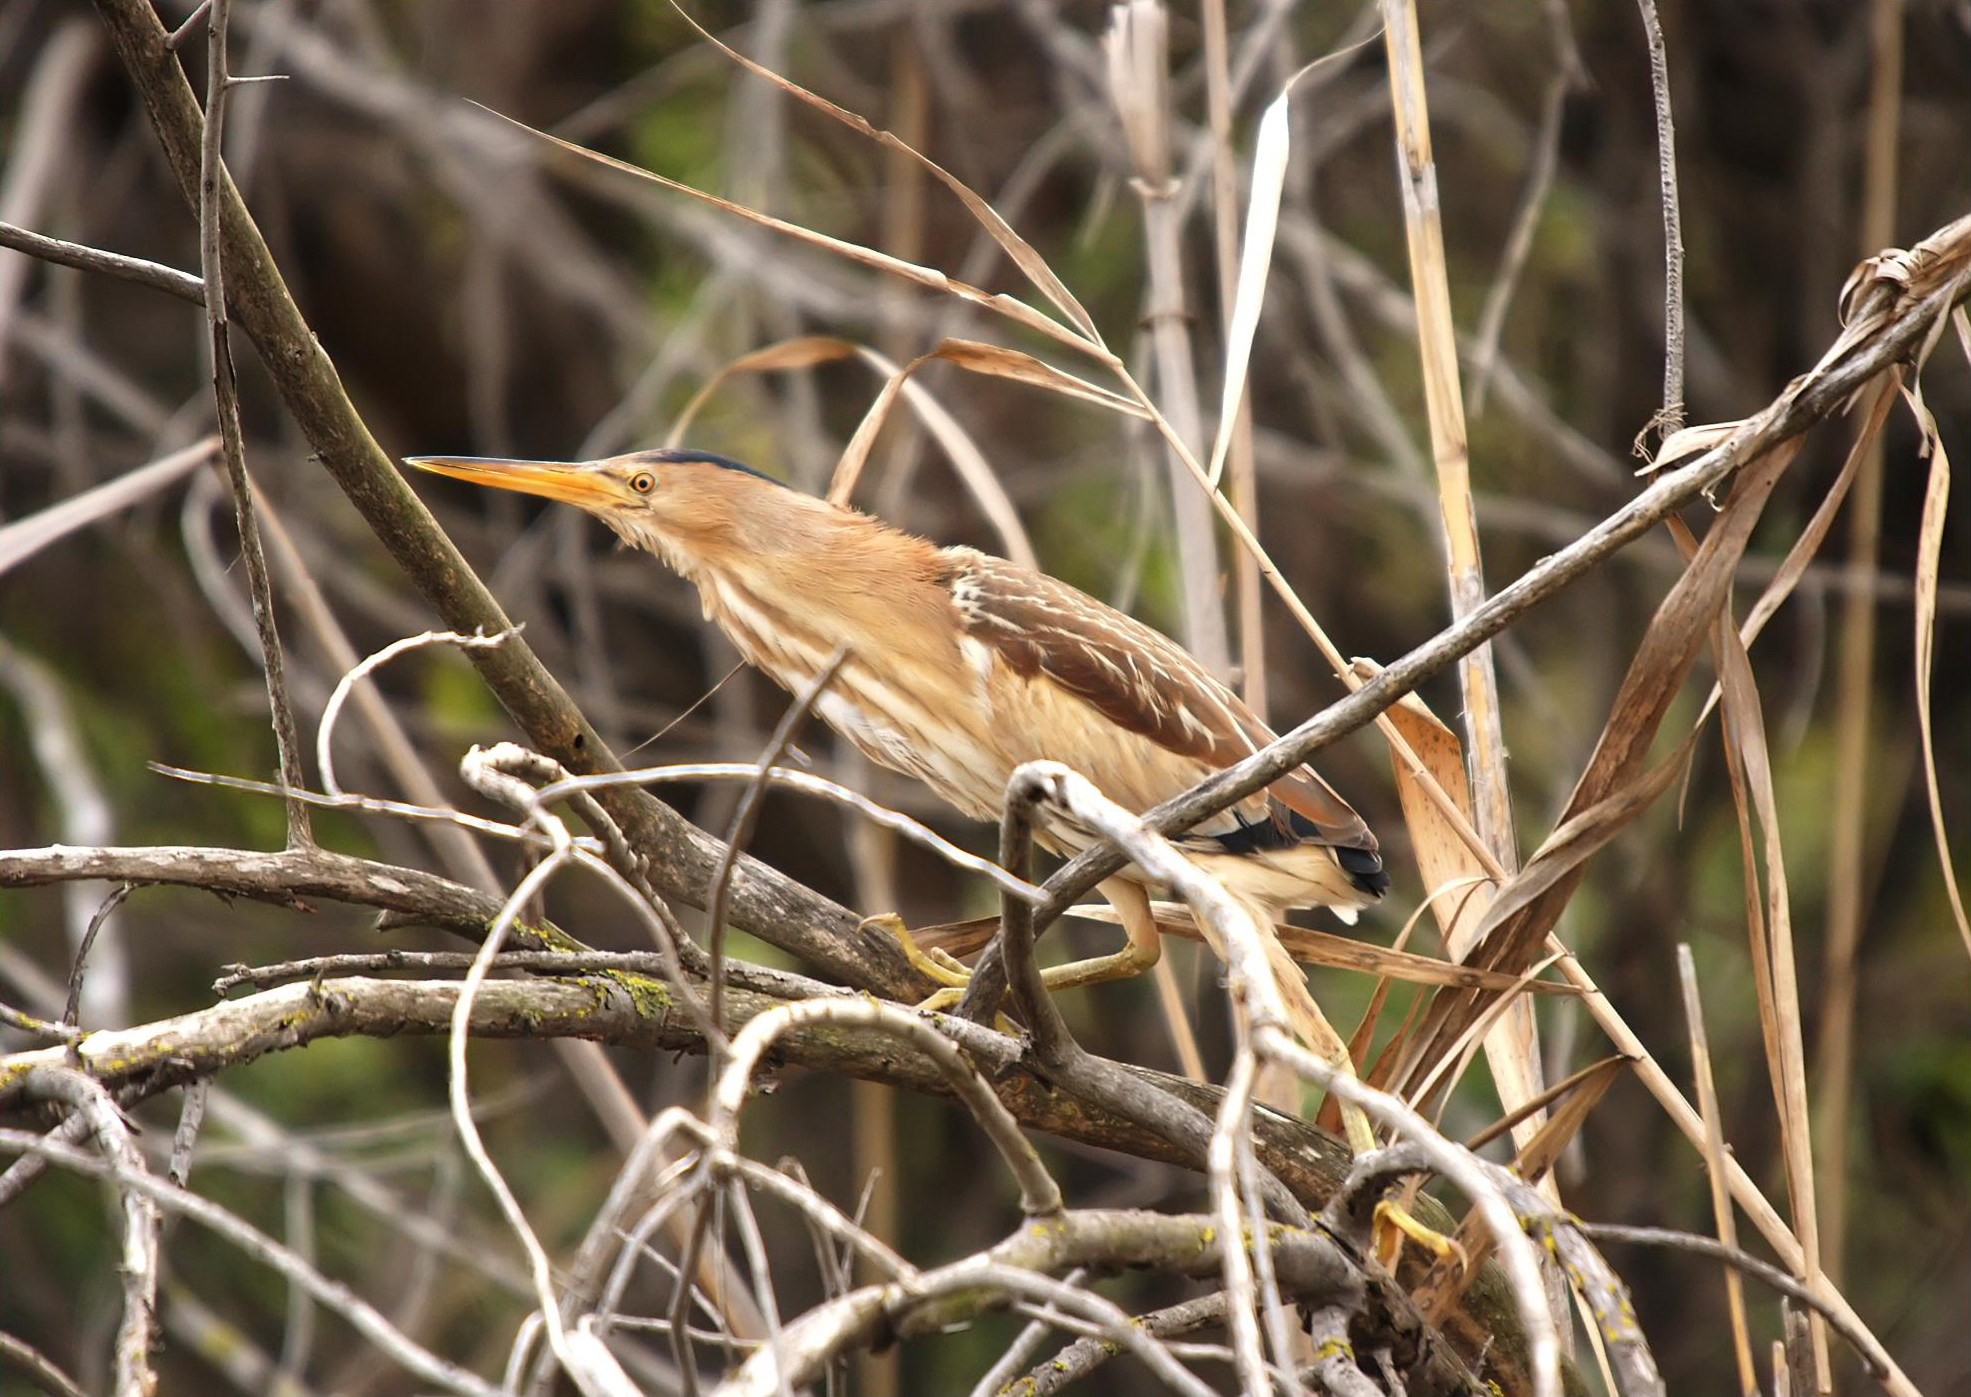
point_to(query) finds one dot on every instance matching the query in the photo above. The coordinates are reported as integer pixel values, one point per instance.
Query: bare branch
(1039, 1195)
(1671, 415)
(1874, 1358)
(63, 253)
(36, 1367)
(138, 1264)
(225, 392)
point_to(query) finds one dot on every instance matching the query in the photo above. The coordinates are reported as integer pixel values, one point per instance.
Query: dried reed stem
(1714, 1163)
(1241, 473)
(1139, 84)
(1849, 802)
(1512, 1047)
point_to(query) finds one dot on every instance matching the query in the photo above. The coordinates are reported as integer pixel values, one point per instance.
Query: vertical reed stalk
(1139, 84)
(1513, 1046)
(1848, 837)
(1240, 470)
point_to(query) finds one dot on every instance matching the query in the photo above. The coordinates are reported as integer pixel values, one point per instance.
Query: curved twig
(1039, 1194)
(325, 730)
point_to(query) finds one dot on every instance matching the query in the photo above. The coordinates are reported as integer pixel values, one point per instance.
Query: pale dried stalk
(1138, 67)
(1714, 1165)
(1513, 1047)
(1855, 664)
(1241, 473)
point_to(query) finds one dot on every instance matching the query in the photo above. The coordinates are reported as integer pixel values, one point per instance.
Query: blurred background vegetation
(475, 304)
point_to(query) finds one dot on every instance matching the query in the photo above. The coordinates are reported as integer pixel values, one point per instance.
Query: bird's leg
(1394, 1221)
(1144, 949)
(1132, 906)
(934, 964)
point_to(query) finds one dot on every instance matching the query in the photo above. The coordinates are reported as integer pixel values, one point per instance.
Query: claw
(937, 966)
(1393, 1223)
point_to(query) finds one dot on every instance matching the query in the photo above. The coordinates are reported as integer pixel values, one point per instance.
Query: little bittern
(960, 666)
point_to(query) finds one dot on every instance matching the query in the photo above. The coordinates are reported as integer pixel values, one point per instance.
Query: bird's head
(687, 506)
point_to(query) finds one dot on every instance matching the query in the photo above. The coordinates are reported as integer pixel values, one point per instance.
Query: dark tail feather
(1364, 870)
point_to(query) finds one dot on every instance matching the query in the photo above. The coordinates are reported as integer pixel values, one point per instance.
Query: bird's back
(961, 666)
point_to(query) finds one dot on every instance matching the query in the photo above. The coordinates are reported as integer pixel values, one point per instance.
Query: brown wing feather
(1138, 679)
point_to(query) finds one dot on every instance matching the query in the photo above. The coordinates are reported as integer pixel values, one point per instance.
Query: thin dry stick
(169, 280)
(460, 852)
(1671, 415)
(138, 1263)
(361, 670)
(364, 1318)
(225, 394)
(1874, 1358)
(1714, 1164)
(1854, 689)
(36, 1367)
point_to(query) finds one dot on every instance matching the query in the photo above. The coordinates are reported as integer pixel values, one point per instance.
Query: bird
(957, 667)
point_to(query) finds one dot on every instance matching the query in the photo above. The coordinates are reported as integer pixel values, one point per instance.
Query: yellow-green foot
(938, 966)
(1393, 1223)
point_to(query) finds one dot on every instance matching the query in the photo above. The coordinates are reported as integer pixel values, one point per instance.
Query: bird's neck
(794, 581)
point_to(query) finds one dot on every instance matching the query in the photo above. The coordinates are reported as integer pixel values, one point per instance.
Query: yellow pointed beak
(554, 480)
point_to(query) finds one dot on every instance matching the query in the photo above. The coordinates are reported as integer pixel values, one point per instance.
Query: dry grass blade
(1609, 1066)
(966, 458)
(1304, 944)
(1613, 788)
(1443, 857)
(1807, 546)
(992, 360)
(801, 352)
(1014, 309)
(1000, 362)
(806, 351)
(23, 538)
(1745, 732)
(1929, 554)
(1024, 257)
(1269, 178)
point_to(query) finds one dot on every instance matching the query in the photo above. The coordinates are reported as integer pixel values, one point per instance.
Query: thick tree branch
(631, 1011)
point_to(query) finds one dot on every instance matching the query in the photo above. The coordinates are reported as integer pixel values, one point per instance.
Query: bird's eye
(643, 482)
